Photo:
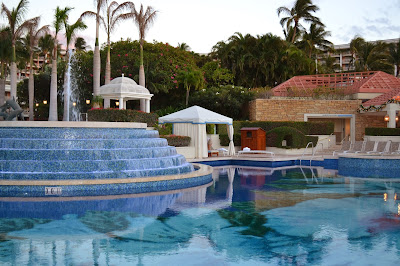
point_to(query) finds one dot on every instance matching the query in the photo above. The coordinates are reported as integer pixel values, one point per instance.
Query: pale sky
(201, 24)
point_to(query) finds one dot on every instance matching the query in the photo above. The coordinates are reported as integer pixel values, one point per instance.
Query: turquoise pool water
(246, 216)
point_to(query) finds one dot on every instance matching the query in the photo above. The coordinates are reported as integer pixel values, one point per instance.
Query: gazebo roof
(384, 98)
(355, 82)
(126, 88)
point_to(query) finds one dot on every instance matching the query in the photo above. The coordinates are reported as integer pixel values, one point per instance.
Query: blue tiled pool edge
(326, 163)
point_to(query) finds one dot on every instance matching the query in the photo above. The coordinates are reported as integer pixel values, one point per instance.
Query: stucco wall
(294, 110)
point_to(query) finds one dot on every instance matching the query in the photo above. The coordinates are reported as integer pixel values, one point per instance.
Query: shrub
(294, 138)
(308, 128)
(224, 140)
(177, 141)
(382, 131)
(117, 115)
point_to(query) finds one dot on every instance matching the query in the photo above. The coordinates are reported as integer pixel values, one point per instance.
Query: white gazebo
(124, 89)
(192, 122)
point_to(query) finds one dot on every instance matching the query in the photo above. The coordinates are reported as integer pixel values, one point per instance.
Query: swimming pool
(246, 216)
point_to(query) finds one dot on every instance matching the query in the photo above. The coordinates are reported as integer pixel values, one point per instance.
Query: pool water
(246, 216)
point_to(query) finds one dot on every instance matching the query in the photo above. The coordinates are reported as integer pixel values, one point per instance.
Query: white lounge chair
(256, 152)
(346, 146)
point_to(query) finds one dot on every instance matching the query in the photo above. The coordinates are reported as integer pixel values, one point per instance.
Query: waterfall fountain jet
(71, 112)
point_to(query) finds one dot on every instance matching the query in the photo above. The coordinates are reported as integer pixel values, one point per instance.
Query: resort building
(342, 98)
(344, 57)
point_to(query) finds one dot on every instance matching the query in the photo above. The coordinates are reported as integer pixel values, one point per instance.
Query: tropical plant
(59, 17)
(46, 45)
(70, 31)
(315, 41)
(5, 51)
(114, 15)
(184, 46)
(33, 35)
(190, 78)
(143, 20)
(80, 44)
(302, 10)
(17, 26)
(394, 51)
(371, 56)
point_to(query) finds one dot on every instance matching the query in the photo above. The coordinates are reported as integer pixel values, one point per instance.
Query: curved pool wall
(369, 166)
(81, 159)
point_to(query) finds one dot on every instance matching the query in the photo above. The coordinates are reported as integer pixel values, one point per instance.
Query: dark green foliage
(42, 92)
(117, 115)
(382, 131)
(224, 139)
(294, 138)
(228, 100)
(177, 141)
(308, 128)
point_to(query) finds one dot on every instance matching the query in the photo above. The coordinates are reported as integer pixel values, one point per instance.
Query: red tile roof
(349, 83)
(381, 99)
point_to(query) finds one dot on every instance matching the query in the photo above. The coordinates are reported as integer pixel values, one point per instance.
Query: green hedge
(382, 131)
(177, 141)
(295, 139)
(308, 128)
(224, 140)
(117, 115)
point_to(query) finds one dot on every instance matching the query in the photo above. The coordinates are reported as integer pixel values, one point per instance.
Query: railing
(308, 144)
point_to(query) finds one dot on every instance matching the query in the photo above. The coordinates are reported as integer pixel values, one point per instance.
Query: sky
(202, 24)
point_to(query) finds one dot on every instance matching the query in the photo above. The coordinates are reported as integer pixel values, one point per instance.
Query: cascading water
(71, 92)
(90, 161)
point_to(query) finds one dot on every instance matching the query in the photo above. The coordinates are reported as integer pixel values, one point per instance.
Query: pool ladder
(313, 151)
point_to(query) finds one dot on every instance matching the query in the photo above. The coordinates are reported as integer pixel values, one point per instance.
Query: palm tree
(143, 20)
(370, 56)
(33, 36)
(5, 58)
(80, 44)
(70, 31)
(190, 78)
(59, 17)
(394, 51)
(110, 21)
(315, 39)
(183, 46)
(17, 26)
(46, 44)
(301, 10)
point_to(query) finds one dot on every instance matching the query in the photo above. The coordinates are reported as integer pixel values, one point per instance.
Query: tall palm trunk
(13, 80)
(96, 71)
(53, 116)
(31, 88)
(142, 80)
(96, 60)
(13, 75)
(108, 65)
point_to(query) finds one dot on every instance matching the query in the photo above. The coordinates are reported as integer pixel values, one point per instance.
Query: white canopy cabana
(192, 122)
(125, 89)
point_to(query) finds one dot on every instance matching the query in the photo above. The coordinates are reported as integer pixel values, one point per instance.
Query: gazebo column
(391, 111)
(125, 104)
(106, 103)
(121, 103)
(142, 105)
(147, 101)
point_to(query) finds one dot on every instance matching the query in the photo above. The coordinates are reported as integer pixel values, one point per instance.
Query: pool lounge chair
(381, 147)
(256, 152)
(368, 147)
(346, 145)
(356, 147)
(395, 148)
